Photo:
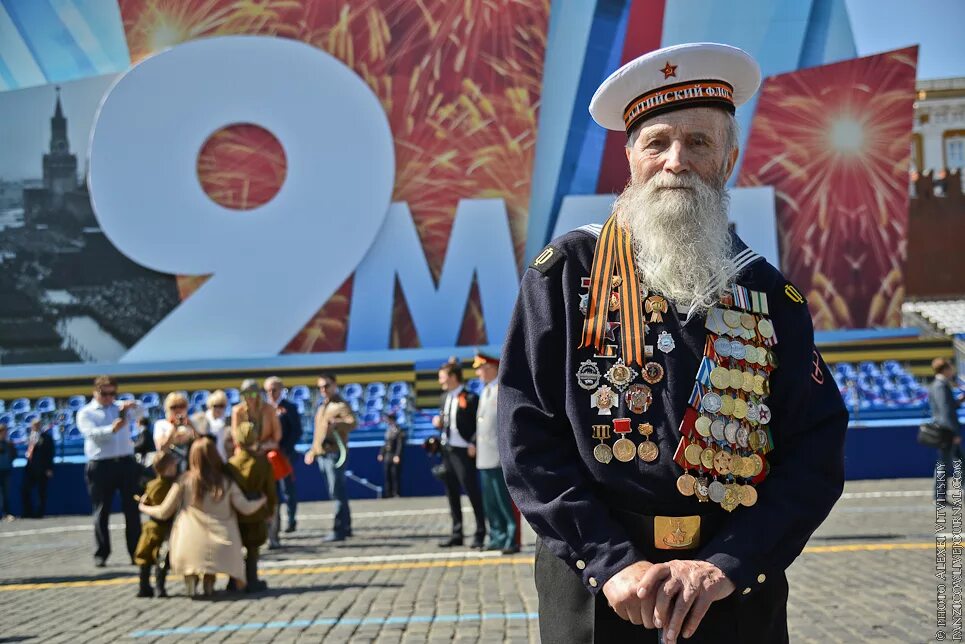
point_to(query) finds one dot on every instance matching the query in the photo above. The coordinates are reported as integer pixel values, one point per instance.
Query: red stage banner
(834, 142)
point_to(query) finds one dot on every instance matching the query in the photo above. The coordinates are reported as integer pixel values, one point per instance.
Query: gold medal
(702, 425)
(747, 382)
(620, 375)
(602, 453)
(748, 321)
(721, 462)
(731, 498)
(726, 405)
(748, 496)
(740, 408)
(758, 464)
(707, 457)
(720, 378)
(737, 465)
(759, 385)
(692, 454)
(656, 306)
(624, 450)
(648, 451)
(686, 483)
(735, 378)
(614, 301)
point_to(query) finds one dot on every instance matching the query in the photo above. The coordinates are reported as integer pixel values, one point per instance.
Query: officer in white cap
(668, 427)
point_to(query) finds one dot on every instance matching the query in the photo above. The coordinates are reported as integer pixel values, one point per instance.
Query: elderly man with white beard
(671, 432)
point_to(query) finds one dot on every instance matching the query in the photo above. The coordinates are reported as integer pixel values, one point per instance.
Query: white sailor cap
(690, 75)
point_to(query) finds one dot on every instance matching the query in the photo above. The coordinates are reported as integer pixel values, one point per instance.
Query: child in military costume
(156, 531)
(251, 471)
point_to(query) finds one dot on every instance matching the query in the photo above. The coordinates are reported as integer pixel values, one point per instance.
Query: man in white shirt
(457, 422)
(110, 464)
(495, 496)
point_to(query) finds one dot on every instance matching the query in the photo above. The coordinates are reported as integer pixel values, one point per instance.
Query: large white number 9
(274, 266)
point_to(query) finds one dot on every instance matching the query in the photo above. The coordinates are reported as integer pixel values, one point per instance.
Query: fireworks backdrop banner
(468, 89)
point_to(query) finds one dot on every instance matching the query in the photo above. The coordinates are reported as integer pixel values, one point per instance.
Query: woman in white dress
(205, 539)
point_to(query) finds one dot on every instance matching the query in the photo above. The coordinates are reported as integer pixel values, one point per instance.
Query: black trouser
(570, 614)
(105, 477)
(33, 479)
(461, 470)
(393, 477)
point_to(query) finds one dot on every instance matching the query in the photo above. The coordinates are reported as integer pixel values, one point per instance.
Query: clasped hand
(673, 596)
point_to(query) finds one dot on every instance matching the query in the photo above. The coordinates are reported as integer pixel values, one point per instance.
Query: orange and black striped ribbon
(614, 256)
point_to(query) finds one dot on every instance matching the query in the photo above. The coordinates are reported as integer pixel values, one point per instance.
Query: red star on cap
(669, 70)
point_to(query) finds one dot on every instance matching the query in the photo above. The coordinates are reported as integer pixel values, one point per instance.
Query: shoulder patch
(547, 258)
(793, 294)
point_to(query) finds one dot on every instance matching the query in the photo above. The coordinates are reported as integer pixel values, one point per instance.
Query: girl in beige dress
(205, 538)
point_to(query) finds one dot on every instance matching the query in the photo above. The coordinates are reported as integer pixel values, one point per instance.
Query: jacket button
(747, 591)
(593, 581)
(761, 577)
(581, 564)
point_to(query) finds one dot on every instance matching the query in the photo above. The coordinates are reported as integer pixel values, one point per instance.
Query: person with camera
(944, 410)
(175, 432)
(105, 426)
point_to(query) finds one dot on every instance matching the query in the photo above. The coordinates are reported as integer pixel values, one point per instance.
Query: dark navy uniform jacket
(546, 443)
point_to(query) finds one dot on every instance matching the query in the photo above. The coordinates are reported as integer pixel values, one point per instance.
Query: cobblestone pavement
(868, 575)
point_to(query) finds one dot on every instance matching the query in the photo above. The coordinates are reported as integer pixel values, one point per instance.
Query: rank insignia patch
(547, 258)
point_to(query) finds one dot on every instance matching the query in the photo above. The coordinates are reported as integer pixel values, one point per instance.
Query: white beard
(681, 242)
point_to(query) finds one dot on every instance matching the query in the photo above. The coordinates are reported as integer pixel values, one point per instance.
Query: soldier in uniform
(667, 424)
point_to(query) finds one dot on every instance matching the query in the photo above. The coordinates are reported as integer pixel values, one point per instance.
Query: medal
(721, 462)
(758, 463)
(588, 375)
(602, 452)
(623, 449)
(726, 405)
(735, 378)
(717, 429)
(748, 495)
(614, 301)
(655, 305)
(730, 431)
(738, 350)
(686, 483)
(652, 373)
(616, 281)
(707, 457)
(765, 328)
(737, 465)
(747, 382)
(740, 408)
(719, 378)
(639, 398)
(665, 342)
(750, 353)
(604, 400)
(759, 385)
(700, 488)
(732, 318)
(716, 491)
(761, 440)
(711, 402)
(621, 375)
(702, 425)
(763, 414)
(722, 347)
(692, 454)
(731, 497)
(742, 435)
(747, 321)
(772, 360)
(648, 451)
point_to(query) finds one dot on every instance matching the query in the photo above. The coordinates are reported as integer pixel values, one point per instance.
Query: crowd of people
(213, 483)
